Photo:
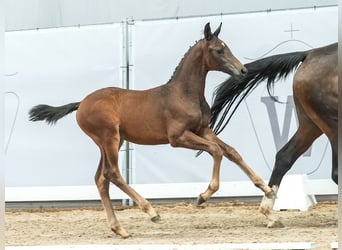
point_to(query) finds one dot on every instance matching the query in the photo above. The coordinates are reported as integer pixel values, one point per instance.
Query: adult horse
(175, 113)
(315, 94)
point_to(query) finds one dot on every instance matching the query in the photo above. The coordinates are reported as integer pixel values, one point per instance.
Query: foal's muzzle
(240, 73)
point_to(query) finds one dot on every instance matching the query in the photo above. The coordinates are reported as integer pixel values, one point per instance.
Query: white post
(127, 72)
(292, 194)
(2, 128)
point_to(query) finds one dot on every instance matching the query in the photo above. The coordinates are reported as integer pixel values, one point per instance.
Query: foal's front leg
(230, 153)
(192, 141)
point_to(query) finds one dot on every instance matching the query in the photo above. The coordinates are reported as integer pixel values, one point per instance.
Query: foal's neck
(191, 72)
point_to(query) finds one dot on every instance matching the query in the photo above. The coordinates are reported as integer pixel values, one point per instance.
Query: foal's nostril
(244, 71)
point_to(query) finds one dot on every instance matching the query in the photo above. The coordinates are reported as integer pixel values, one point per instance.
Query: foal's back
(115, 109)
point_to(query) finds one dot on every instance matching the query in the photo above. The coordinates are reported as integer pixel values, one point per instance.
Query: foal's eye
(219, 51)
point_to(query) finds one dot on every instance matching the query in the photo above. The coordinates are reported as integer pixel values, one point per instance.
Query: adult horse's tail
(229, 94)
(51, 114)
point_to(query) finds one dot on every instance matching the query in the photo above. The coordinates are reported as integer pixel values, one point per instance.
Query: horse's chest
(205, 110)
(199, 117)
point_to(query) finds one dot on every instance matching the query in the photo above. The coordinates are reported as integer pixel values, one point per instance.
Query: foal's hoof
(265, 210)
(122, 233)
(200, 200)
(126, 235)
(156, 219)
(275, 224)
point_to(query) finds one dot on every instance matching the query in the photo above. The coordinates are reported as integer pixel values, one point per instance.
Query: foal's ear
(207, 32)
(218, 30)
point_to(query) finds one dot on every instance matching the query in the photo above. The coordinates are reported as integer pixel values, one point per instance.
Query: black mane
(181, 62)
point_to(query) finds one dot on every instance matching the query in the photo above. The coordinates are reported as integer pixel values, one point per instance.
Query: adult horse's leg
(305, 135)
(230, 153)
(334, 149)
(109, 172)
(334, 172)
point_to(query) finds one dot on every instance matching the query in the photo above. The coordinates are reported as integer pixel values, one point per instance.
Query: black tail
(229, 94)
(51, 114)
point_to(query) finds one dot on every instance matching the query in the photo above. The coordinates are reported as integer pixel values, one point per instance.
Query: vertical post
(127, 71)
(2, 126)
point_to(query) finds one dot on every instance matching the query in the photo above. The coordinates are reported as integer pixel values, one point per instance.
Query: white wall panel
(160, 45)
(58, 66)
(55, 67)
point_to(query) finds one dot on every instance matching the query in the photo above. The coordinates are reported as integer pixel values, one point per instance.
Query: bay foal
(175, 113)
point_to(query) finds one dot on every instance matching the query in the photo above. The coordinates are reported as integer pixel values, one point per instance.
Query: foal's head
(218, 56)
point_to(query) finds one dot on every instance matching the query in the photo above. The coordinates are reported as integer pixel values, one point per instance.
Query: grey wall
(32, 14)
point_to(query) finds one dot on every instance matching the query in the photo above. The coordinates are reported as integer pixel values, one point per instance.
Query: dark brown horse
(175, 113)
(315, 93)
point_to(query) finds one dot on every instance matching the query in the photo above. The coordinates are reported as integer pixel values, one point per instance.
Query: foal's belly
(144, 135)
(143, 128)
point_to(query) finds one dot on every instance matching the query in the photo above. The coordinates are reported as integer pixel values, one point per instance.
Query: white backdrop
(55, 66)
(58, 66)
(250, 36)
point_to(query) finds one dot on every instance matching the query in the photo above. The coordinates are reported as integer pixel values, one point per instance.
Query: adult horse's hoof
(156, 219)
(271, 194)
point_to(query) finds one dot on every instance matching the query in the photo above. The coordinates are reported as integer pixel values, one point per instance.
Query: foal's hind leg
(230, 153)
(110, 172)
(102, 184)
